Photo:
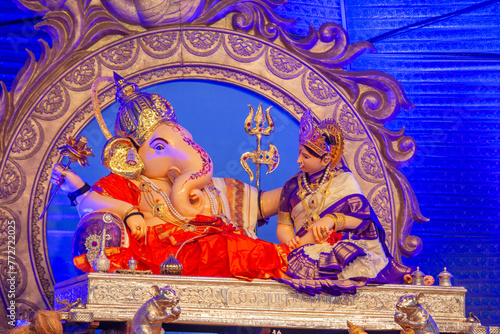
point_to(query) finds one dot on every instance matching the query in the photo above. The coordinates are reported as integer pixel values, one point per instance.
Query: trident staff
(270, 157)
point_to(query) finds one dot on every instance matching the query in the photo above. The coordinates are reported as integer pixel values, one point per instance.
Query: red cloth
(118, 187)
(219, 251)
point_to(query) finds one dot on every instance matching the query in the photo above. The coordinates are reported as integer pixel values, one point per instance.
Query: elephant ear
(120, 157)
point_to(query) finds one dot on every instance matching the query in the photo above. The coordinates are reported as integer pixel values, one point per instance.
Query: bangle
(341, 220)
(72, 196)
(132, 214)
(334, 218)
(130, 210)
(263, 218)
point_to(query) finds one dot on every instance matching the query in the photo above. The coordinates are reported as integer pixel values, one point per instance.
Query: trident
(271, 157)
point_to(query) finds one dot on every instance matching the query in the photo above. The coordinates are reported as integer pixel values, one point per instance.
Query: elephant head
(149, 141)
(170, 152)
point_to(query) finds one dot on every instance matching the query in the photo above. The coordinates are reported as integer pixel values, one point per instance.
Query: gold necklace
(168, 213)
(313, 203)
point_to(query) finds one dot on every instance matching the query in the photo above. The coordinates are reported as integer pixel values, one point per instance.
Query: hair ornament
(314, 136)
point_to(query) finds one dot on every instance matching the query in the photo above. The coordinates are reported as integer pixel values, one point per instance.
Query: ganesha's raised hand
(137, 226)
(69, 180)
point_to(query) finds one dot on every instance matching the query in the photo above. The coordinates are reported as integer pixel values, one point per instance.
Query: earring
(121, 158)
(132, 157)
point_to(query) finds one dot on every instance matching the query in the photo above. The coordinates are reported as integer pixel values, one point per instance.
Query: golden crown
(140, 113)
(314, 136)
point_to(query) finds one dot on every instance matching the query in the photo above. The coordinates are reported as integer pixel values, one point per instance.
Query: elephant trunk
(187, 195)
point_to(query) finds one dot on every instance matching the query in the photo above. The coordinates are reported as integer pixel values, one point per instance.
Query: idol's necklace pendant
(189, 228)
(313, 201)
(159, 210)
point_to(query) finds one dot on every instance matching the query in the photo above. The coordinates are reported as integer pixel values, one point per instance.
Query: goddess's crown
(314, 136)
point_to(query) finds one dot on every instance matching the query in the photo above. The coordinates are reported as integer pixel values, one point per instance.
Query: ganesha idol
(163, 200)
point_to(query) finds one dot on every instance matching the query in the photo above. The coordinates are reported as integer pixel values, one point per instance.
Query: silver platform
(261, 303)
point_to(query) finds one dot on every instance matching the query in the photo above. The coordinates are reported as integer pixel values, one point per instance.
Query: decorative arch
(240, 43)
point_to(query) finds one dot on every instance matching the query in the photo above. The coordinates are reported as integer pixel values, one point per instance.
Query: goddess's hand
(294, 243)
(321, 234)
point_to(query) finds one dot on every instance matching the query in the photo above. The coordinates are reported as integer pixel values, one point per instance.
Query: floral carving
(283, 62)
(160, 45)
(11, 181)
(203, 40)
(160, 42)
(9, 226)
(370, 163)
(381, 205)
(200, 295)
(443, 304)
(84, 74)
(11, 266)
(224, 300)
(26, 138)
(120, 54)
(107, 290)
(350, 123)
(319, 88)
(53, 103)
(243, 46)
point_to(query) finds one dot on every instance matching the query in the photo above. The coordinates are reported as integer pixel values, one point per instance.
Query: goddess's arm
(285, 233)
(327, 222)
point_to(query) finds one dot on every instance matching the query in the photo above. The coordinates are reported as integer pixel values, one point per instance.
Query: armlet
(284, 218)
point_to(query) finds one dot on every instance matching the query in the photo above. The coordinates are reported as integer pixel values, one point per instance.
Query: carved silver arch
(241, 43)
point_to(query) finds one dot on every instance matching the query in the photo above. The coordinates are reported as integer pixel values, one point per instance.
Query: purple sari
(359, 258)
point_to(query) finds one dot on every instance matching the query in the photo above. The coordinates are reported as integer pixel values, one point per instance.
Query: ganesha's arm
(88, 201)
(93, 201)
(270, 202)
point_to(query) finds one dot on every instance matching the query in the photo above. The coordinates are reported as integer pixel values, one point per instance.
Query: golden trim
(95, 105)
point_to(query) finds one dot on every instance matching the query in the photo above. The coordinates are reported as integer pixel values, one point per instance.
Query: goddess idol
(338, 243)
(164, 200)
